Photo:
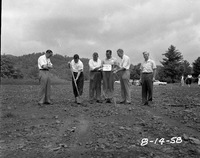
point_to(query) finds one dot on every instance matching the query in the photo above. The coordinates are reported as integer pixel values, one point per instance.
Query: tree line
(172, 67)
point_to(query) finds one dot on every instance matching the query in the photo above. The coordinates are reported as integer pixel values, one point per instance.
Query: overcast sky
(86, 26)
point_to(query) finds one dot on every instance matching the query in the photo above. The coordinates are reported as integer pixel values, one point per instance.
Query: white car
(117, 81)
(136, 83)
(157, 82)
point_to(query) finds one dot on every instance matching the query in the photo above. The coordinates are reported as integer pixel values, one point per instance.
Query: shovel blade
(79, 100)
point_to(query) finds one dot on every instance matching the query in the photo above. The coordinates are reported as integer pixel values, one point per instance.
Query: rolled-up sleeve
(153, 65)
(91, 65)
(49, 63)
(41, 62)
(125, 62)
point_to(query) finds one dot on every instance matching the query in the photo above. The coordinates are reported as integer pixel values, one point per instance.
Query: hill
(26, 65)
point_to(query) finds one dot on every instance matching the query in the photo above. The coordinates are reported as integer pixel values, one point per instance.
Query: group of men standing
(101, 72)
(108, 70)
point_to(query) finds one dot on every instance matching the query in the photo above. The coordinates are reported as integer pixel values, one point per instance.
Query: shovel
(78, 98)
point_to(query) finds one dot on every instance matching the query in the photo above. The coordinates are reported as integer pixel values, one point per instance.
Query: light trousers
(95, 85)
(45, 86)
(108, 84)
(125, 86)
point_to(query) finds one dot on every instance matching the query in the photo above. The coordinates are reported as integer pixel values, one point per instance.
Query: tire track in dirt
(78, 136)
(81, 136)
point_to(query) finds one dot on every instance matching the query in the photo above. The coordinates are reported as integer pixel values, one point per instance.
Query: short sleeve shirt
(77, 67)
(94, 64)
(43, 60)
(125, 63)
(111, 61)
(148, 66)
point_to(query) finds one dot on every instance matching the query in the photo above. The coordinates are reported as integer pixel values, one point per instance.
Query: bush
(167, 79)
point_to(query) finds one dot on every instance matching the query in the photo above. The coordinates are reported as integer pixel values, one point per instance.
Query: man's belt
(44, 69)
(147, 72)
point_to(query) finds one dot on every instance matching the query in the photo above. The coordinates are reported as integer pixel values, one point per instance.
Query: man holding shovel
(76, 67)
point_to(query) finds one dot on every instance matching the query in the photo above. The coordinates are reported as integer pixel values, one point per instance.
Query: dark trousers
(188, 81)
(79, 83)
(45, 87)
(95, 85)
(147, 87)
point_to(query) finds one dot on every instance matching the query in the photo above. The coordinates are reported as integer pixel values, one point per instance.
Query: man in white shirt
(76, 66)
(124, 74)
(147, 77)
(44, 65)
(198, 80)
(109, 63)
(95, 78)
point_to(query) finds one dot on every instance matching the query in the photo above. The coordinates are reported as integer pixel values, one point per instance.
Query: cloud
(85, 26)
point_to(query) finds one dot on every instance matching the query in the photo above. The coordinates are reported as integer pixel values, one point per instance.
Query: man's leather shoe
(99, 101)
(108, 100)
(41, 104)
(50, 103)
(122, 102)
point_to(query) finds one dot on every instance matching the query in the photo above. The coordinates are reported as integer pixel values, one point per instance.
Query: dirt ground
(168, 128)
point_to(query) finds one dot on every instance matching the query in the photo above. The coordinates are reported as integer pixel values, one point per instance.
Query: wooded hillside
(25, 66)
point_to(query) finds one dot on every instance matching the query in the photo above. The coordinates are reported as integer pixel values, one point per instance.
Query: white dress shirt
(148, 66)
(94, 64)
(125, 62)
(43, 60)
(111, 61)
(77, 67)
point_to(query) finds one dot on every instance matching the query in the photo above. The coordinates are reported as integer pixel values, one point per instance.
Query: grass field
(168, 128)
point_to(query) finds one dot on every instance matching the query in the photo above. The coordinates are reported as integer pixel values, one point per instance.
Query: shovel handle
(75, 83)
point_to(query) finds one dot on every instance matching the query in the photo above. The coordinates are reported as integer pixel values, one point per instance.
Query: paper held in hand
(107, 67)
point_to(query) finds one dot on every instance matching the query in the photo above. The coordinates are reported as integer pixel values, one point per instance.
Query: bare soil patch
(168, 128)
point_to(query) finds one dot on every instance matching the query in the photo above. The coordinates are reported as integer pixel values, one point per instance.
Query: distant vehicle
(136, 83)
(130, 81)
(117, 81)
(157, 82)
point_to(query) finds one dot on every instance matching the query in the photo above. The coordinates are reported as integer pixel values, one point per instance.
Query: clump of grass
(19, 81)
(8, 115)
